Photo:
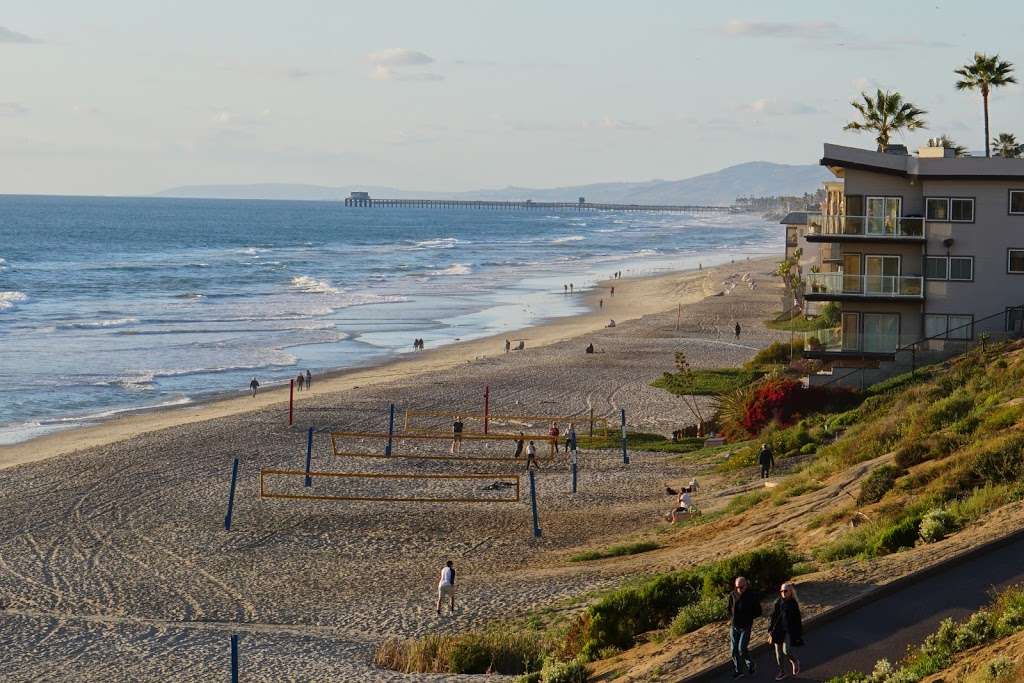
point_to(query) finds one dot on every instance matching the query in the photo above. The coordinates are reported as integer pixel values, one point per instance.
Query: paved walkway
(886, 627)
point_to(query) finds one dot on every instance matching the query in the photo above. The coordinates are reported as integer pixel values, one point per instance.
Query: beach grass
(707, 382)
(616, 551)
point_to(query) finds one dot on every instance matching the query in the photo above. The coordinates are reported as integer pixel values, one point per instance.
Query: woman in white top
(446, 587)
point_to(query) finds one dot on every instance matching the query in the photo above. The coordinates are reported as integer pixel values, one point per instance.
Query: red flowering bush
(784, 401)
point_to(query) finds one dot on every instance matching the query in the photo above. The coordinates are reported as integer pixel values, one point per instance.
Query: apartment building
(814, 256)
(930, 254)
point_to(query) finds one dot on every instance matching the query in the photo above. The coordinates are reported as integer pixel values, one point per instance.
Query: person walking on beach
(766, 460)
(613, 291)
(508, 346)
(570, 439)
(531, 457)
(570, 288)
(737, 330)
(456, 435)
(553, 434)
(253, 386)
(565, 289)
(600, 303)
(309, 380)
(786, 630)
(446, 587)
(519, 445)
(300, 381)
(743, 607)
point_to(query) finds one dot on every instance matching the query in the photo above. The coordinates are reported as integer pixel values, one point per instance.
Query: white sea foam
(439, 243)
(94, 324)
(11, 299)
(311, 285)
(455, 269)
(570, 238)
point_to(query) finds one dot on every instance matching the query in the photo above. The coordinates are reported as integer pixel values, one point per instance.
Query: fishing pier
(363, 199)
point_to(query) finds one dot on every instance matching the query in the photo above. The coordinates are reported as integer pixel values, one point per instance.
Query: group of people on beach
(417, 344)
(519, 347)
(302, 381)
(554, 433)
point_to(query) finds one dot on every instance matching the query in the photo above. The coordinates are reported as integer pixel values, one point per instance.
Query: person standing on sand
(570, 288)
(300, 381)
(309, 380)
(565, 289)
(613, 291)
(253, 386)
(553, 434)
(570, 439)
(743, 607)
(600, 303)
(766, 460)
(446, 587)
(786, 630)
(456, 435)
(737, 330)
(531, 457)
(519, 445)
(508, 346)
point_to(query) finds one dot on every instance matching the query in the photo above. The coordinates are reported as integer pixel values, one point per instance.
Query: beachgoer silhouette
(508, 346)
(600, 303)
(570, 287)
(613, 291)
(300, 380)
(309, 380)
(737, 330)
(590, 348)
(565, 289)
(254, 385)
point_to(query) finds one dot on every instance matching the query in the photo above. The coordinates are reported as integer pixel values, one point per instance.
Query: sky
(134, 96)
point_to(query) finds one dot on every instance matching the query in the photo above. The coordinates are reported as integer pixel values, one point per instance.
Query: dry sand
(114, 564)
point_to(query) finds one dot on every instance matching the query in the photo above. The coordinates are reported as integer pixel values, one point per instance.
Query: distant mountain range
(755, 178)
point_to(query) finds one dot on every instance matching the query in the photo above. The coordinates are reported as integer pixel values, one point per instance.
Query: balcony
(863, 229)
(843, 287)
(829, 344)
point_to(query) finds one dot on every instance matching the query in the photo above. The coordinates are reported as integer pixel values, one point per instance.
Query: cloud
(293, 73)
(226, 118)
(608, 123)
(784, 29)
(9, 36)
(12, 109)
(772, 107)
(398, 57)
(386, 73)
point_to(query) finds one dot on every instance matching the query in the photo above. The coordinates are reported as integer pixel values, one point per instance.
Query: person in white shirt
(684, 504)
(446, 587)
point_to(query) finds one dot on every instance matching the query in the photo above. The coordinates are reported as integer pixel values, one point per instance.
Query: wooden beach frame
(513, 478)
(601, 423)
(335, 436)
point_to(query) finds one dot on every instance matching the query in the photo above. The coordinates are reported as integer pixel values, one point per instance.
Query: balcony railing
(830, 340)
(842, 284)
(868, 227)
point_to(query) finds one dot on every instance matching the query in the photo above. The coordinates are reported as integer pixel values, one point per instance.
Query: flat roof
(796, 218)
(839, 157)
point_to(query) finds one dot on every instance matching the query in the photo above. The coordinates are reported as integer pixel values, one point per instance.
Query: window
(936, 268)
(961, 267)
(937, 208)
(943, 326)
(961, 210)
(1017, 201)
(1015, 261)
(1015, 319)
(881, 332)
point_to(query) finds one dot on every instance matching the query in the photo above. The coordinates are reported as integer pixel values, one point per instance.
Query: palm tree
(984, 74)
(886, 114)
(1005, 145)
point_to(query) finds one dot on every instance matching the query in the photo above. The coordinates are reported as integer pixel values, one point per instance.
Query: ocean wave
(437, 243)
(96, 324)
(311, 285)
(455, 269)
(190, 295)
(10, 299)
(3, 265)
(570, 238)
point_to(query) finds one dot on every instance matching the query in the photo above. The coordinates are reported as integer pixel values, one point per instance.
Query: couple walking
(785, 628)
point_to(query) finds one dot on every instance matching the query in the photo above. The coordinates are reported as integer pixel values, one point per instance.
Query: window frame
(945, 260)
(949, 269)
(945, 335)
(1009, 202)
(936, 220)
(963, 199)
(1009, 255)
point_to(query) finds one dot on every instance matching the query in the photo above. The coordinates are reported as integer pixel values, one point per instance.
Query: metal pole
(391, 429)
(591, 425)
(234, 658)
(309, 456)
(625, 453)
(291, 401)
(487, 406)
(574, 477)
(231, 495)
(533, 505)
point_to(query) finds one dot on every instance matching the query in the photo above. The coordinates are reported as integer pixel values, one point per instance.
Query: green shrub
(1009, 611)
(532, 677)
(936, 524)
(946, 411)
(983, 500)
(878, 483)
(691, 617)
(776, 353)
(745, 501)
(555, 671)
(706, 382)
(498, 652)
(902, 534)
(808, 448)
(616, 551)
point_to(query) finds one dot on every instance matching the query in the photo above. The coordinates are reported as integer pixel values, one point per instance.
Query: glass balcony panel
(895, 286)
(865, 226)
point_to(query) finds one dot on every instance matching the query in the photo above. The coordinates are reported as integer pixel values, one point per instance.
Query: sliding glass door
(881, 274)
(881, 332)
(883, 214)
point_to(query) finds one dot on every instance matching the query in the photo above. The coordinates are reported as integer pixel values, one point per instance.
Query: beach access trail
(114, 564)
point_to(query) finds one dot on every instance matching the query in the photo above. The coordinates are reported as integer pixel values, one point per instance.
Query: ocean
(110, 305)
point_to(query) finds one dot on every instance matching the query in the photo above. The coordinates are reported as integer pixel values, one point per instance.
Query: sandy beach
(114, 563)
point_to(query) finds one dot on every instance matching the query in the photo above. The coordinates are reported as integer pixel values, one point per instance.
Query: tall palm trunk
(984, 99)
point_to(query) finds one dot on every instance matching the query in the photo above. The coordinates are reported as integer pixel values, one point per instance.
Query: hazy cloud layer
(9, 36)
(767, 106)
(825, 33)
(399, 56)
(12, 109)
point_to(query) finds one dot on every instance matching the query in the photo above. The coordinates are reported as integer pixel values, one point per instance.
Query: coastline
(635, 298)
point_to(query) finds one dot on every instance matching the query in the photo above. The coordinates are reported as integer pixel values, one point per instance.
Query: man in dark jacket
(744, 607)
(766, 460)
